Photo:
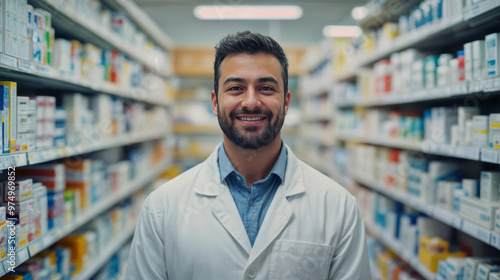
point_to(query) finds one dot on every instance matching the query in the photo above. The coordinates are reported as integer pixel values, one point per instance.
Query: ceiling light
(341, 31)
(359, 12)
(248, 12)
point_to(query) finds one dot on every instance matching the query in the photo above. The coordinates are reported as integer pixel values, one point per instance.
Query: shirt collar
(226, 167)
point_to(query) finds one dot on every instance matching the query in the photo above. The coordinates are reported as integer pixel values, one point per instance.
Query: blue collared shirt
(252, 203)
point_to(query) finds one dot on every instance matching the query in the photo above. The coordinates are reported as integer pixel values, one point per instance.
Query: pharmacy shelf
(452, 219)
(141, 19)
(39, 76)
(95, 264)
(474, 16)
(67, 21)
(95, 210)
(50, 154)
(387, 10)
(400, 249)
(469, 153)
(466, 89)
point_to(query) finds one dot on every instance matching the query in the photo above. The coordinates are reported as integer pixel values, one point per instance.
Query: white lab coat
(190, 228)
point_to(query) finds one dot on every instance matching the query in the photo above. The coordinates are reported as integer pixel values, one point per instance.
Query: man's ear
(287, 101)
(214, 103)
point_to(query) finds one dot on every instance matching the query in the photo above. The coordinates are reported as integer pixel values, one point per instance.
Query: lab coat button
(251, 273)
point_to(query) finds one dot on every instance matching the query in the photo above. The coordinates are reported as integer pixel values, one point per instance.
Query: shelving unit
(94, 265)
(400, 250)
(320, 82)
(56, 234)
(39, 79)
(67, 21)
(142, 20)
(474, 16)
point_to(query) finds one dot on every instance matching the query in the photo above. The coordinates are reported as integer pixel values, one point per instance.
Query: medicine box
(494, 131)
(484, 270)
(40, 201)
(22, 191)
(479, 211)
(492, 54)
(497, 220)
(3, 233)
(489, 186)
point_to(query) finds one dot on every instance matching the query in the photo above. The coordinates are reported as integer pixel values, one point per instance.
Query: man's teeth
(252, 119)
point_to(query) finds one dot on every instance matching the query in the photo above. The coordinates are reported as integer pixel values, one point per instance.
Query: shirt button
(238, 178)
(251, 273)
(250, 202)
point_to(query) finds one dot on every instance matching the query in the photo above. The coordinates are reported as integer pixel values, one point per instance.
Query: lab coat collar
(292, 184)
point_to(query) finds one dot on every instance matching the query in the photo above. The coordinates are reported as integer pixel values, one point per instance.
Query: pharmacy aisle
(85, 135)
(408, 120)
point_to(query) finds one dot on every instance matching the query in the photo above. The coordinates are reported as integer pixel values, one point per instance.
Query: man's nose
(251, 99)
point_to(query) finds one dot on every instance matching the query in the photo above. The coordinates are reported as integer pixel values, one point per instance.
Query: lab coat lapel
(224, 207)
(226, 212)
(280, 211)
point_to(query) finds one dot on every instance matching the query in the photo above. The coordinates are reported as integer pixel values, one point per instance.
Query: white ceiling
(176, 18)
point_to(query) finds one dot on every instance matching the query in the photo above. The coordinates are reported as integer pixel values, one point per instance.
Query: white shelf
(401, 250)
(470, 153)
(95, 264)
(462, 89)
(452, 219)
(68, 21)
(39, 75)
(50, 154)
(95, 210)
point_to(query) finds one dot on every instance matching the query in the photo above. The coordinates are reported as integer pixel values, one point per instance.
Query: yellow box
(77, 246)
(12, 114)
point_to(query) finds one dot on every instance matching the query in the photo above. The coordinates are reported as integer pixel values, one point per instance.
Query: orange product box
(77, 246)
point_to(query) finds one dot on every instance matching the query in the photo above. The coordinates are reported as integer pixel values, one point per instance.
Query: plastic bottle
(461, 66)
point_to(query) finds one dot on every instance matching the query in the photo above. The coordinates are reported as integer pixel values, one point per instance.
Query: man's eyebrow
(234, 79)
(268, 79)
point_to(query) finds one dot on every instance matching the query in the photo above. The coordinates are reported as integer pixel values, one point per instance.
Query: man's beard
(260, 140)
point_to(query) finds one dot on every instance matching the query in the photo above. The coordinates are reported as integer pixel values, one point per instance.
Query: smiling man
(252, 210)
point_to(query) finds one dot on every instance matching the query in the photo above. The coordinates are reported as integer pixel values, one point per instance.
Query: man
(252, 210)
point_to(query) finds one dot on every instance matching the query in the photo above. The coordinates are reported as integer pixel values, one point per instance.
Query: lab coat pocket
(295, 260)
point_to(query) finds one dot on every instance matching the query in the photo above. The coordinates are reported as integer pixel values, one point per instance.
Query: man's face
(251, 105)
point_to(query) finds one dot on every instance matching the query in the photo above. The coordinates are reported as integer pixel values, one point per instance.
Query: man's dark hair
(247, 42)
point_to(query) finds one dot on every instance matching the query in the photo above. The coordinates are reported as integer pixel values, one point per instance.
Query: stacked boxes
(23, 124)
(15, 26)
(60, 118)
(78, 178)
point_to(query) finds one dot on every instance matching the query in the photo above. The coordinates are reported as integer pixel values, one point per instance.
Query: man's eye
(235, 88)
(266, 88)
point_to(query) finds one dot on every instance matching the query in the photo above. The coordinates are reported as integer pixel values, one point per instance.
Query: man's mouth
(250, 119)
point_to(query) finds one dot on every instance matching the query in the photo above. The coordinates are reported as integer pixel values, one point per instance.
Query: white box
(480, 125)
(468, 61)
(470, 187)
(494, 276)
(470, 269)
(497, 220)
(494, 131)
(489, 187)
(445, 194)
(492, 54)
(479, 211)
(484, 270)
(40, 201)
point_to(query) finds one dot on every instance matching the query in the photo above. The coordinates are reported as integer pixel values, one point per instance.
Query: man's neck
(254, 165)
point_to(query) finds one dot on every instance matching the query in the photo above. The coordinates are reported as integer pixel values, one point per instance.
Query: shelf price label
(489, 85)
(36, 247)
(22, 256)
(476, 231)
(489, 155)
(495, 240)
